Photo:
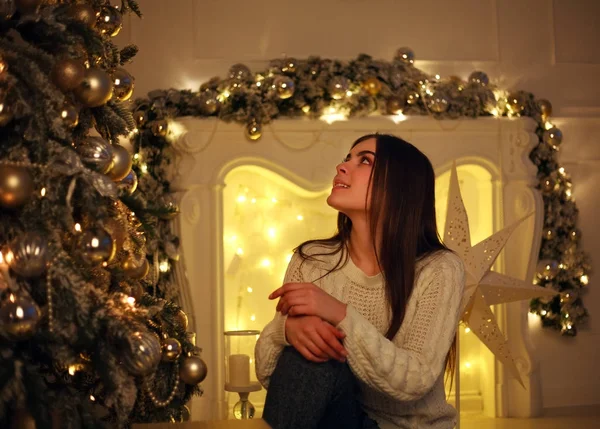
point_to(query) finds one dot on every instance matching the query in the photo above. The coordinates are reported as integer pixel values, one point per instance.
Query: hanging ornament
(545, 109)
(128, 184)
(95, 89)
(438, 103)
(182, 319)
(406, 55)
(253, 131)
(575, 235)
(284, 87)
(208, 103)
(160, 128)
(6, 111)
(240, 72)
(122, 163)
(288, 65)
(135, 268)
(550, 184)
(553, 137)
(96, 153)
(568, 296)
(67, 74)
(372, 85)
(568, 329)
(7, 9)
(117, 230)
(19, 317)
(96, 246)
(185, 414)
(141, 353)
(193, 370)
(140, 117)
(395, 104)
(110, 21)
(69, 115)
(549, 233)
(479, 78)
(412, 98)
(338, 87)
(171, 350)
(516, 103)
(28, 7)
(29, 255)
(16, 186)
(83, 13)
(547, 269)
(123, 84)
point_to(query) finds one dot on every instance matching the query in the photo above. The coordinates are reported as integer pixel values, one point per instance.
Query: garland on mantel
(331, 90)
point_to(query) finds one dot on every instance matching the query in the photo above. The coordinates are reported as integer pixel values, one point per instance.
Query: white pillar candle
(239, 370)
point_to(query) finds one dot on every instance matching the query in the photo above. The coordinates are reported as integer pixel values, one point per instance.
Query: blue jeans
(309, 395)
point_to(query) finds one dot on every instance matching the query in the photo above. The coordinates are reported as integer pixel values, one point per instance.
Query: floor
(584, 422)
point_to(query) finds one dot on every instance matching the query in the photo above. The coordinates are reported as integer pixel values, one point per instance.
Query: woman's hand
(315, 339)
(306, 299)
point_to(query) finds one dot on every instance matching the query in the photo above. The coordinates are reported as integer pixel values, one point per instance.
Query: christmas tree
(90, 336)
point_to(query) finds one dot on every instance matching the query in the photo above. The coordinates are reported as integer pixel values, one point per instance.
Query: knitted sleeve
(272, 339)
(407, 371)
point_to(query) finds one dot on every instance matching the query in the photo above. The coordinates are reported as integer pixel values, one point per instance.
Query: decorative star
(483, 286)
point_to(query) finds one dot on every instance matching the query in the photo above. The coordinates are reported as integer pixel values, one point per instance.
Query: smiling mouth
(340, 185)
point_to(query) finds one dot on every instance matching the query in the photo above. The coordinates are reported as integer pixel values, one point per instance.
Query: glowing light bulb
(253, 200)
(348, 93)
(584, 279)
(253, 317)
(467, 364)
(300, 217)
(272, 232)
(467, 330)
(239, 251)
(543, 312)
(274, 199)
(77, 227)
(437, 76)
(266, 262)
(548, 125)
(43, 192)
(164, 266)
(241, 199)
(233, 237)
(249, 289)
(144, 168)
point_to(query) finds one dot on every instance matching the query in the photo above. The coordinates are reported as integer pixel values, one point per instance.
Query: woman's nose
(341, 168)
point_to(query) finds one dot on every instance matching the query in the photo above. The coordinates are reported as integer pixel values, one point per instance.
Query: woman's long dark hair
(403, 216)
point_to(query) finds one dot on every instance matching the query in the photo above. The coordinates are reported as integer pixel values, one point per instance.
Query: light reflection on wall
(266, 216)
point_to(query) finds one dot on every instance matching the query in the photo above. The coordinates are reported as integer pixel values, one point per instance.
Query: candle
(239, 370)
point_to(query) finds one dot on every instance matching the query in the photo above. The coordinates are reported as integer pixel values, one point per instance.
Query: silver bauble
(29, 255)
(142, 353)
(19, 317)
(96, 153)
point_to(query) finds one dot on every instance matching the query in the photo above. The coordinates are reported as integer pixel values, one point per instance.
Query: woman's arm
(408, 371)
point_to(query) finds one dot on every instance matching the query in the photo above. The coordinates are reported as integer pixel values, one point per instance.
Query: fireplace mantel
(305, 152)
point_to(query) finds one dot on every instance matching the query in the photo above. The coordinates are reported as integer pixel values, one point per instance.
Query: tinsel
(328, 89)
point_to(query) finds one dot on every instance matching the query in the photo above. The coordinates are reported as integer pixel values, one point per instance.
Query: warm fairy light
(233, 237)
(43, 192)
(253, 200)
(249, 289)
(144, 168)
(569, 326)
(239, 251)
(306, 108)
(241, 199)
(95, 242)
(548, 125)
(274, 200)
(131, 301)
(92, 398)
(105, 264)
(561, 170)
(568, 193)
(333, 115)
(566, 315)
(266, 263)
(72, 369)
(253, 317)
(176, 130)
(468, 365)
(467, 330)
(495, 112)
(543, 312)
(399, 117)
(136, 156)
(348, 93)
(78, 227)
(19, 312)
(438, 77)
(272, 232)
(300, 217)
(164, 266)
(584, 279)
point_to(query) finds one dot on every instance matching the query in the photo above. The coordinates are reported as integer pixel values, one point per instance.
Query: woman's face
(351, 183)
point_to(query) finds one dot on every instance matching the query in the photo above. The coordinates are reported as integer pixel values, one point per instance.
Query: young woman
(366, 319)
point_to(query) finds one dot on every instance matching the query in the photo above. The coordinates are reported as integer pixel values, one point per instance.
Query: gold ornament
(122, 163)
(6, 113)
(19, 317)
(208, 102)
(253, 131)
(29, 255)
(96, 246)
(68, 74)
(372, 85)
(284, 87)
(516, 103)
(28, 7)
(110, 21)
(185, 414)
(406, 55)
(95, 89)
(140, 117)
(240, 72)
(182, 319)
(553, 137)
(395, 105)
(338, 87)
(288, 65)
(549, 185)
(69, 115)
(545, 109)
(123, 84)
(83, 13)
(96, 153)
(129, 183)
(438, 103)
(16, 186)
(117, 231)
(160, 128)
(135, 268)
(171, 350)
(547, 269)
(193, 370)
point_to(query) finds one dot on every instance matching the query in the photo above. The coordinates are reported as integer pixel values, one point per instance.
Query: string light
(266, 262)
(584, 279)
(164, 266)
(543, 312)
(78, 227)
(467, 330)
(239, 251)
(241, 199)
(43, 192)
(144, 168)
(249, 289)
(300, 217)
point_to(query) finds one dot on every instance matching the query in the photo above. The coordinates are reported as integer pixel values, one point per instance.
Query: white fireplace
(220, 174)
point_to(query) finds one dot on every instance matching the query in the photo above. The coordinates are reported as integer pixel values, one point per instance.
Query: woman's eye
(364, 158)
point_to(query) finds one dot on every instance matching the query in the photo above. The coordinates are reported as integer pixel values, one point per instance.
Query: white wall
(548, 47)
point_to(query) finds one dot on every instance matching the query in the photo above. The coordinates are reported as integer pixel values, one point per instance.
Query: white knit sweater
(402, 381)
